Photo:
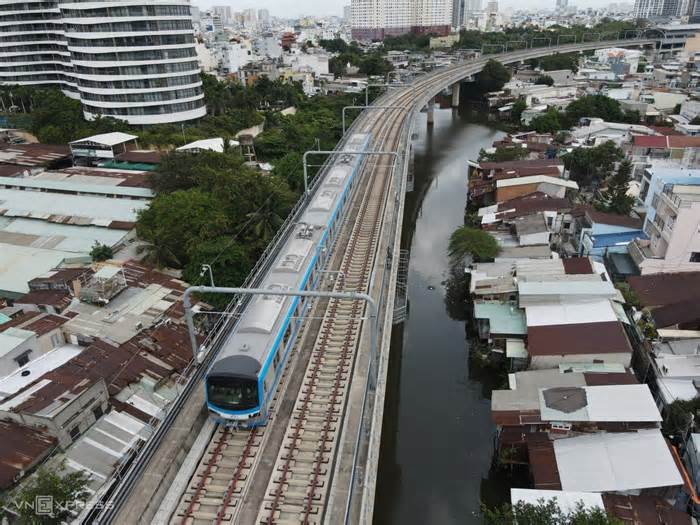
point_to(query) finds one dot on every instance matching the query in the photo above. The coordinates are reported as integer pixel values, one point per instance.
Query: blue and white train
(242, 379)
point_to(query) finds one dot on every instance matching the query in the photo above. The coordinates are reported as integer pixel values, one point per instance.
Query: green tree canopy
(516, 112)
(592, 165)
(472, 241)
(551, 121)
(503, 154)
(493, 77)
(101, 252)
(66, 494)
(615, 198)
(545, 80)
(546, 513)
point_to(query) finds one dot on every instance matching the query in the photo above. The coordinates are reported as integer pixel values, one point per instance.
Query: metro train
(243, 377)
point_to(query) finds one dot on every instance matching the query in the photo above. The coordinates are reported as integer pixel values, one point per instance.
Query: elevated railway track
(302, 466)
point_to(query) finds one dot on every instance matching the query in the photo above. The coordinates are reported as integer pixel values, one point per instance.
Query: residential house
(597, 233)
(671, 225)
(483, 176)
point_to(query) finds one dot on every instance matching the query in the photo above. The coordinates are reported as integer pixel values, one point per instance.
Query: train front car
(244, 376)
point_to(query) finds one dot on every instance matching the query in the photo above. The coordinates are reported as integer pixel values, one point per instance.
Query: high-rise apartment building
(263, 16)
(377, 19)
(561, 4)
(133, 60)
(648, 8)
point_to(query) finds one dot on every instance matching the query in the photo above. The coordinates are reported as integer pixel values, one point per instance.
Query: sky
(295, 8)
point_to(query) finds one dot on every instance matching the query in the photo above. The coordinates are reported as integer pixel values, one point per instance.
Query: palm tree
(265, 222)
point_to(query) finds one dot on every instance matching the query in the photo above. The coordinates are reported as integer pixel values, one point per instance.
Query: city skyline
(335, 7)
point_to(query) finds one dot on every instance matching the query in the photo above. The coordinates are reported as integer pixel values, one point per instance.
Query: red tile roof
(577, 339)
(650, 141)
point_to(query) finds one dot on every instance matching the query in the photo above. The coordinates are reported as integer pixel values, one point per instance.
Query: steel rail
(423, 88)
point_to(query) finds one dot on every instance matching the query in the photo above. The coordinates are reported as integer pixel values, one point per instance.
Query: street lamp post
(205, 268)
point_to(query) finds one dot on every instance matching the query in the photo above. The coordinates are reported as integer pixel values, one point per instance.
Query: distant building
(561, 5)
(263, 16)
(375, 20)
(648, 8)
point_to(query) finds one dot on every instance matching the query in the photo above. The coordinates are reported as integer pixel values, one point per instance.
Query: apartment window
(695, 257)
(23, 358)
(655, 201)
(97, 412)
(55, 340)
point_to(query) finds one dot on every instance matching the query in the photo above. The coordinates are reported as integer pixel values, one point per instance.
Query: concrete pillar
(431, 112)
(455, 94)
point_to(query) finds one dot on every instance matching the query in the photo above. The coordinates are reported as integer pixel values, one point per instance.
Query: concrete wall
(684, 240)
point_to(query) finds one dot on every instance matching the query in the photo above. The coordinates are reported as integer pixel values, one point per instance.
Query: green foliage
(546, 513)
(589, 165)
(556, 62)
(503, 154)
(615, 198)
(493, 77)
(472, 241)
(631, 298)
(181, 220)
(408, 41)
(679, 416)
(101, 252)
(374, 64)
(335, 45)
(545, 80)
(516, 112)
(290, 168)
(551, 121)
(67, 492)
(598, 106)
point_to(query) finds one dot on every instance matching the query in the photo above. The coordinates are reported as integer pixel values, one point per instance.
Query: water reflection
(437, 438)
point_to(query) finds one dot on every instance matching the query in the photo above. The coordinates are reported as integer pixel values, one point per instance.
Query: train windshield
(232, 393)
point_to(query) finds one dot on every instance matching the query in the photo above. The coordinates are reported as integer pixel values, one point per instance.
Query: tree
(493, 77)
(516, 111)
(101, 252)
(229, 262)
(291, 169)
(66, 494)
(615, 199)
(544, 80)
(546, 513)
(335, 45)
(176, 222)
(595, 106)
(375, 64)
(548, 122)
(556, 62)
(591, 165)
(472, 241)
(503, 154)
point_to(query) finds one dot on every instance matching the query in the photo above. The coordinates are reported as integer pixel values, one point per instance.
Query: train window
(287, 335)
(276, 359)
(232, 393)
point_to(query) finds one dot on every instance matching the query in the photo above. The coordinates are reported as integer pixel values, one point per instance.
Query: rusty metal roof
(21, 448)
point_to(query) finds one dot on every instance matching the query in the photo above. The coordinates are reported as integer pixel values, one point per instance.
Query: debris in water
(431, 287)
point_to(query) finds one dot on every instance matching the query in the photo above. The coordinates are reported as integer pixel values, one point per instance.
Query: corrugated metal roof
(616, 462)
(578, 339)
(67, 185)
(503, 318)
(608, 403)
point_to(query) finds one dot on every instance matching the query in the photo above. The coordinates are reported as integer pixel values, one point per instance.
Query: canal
(437, 437)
